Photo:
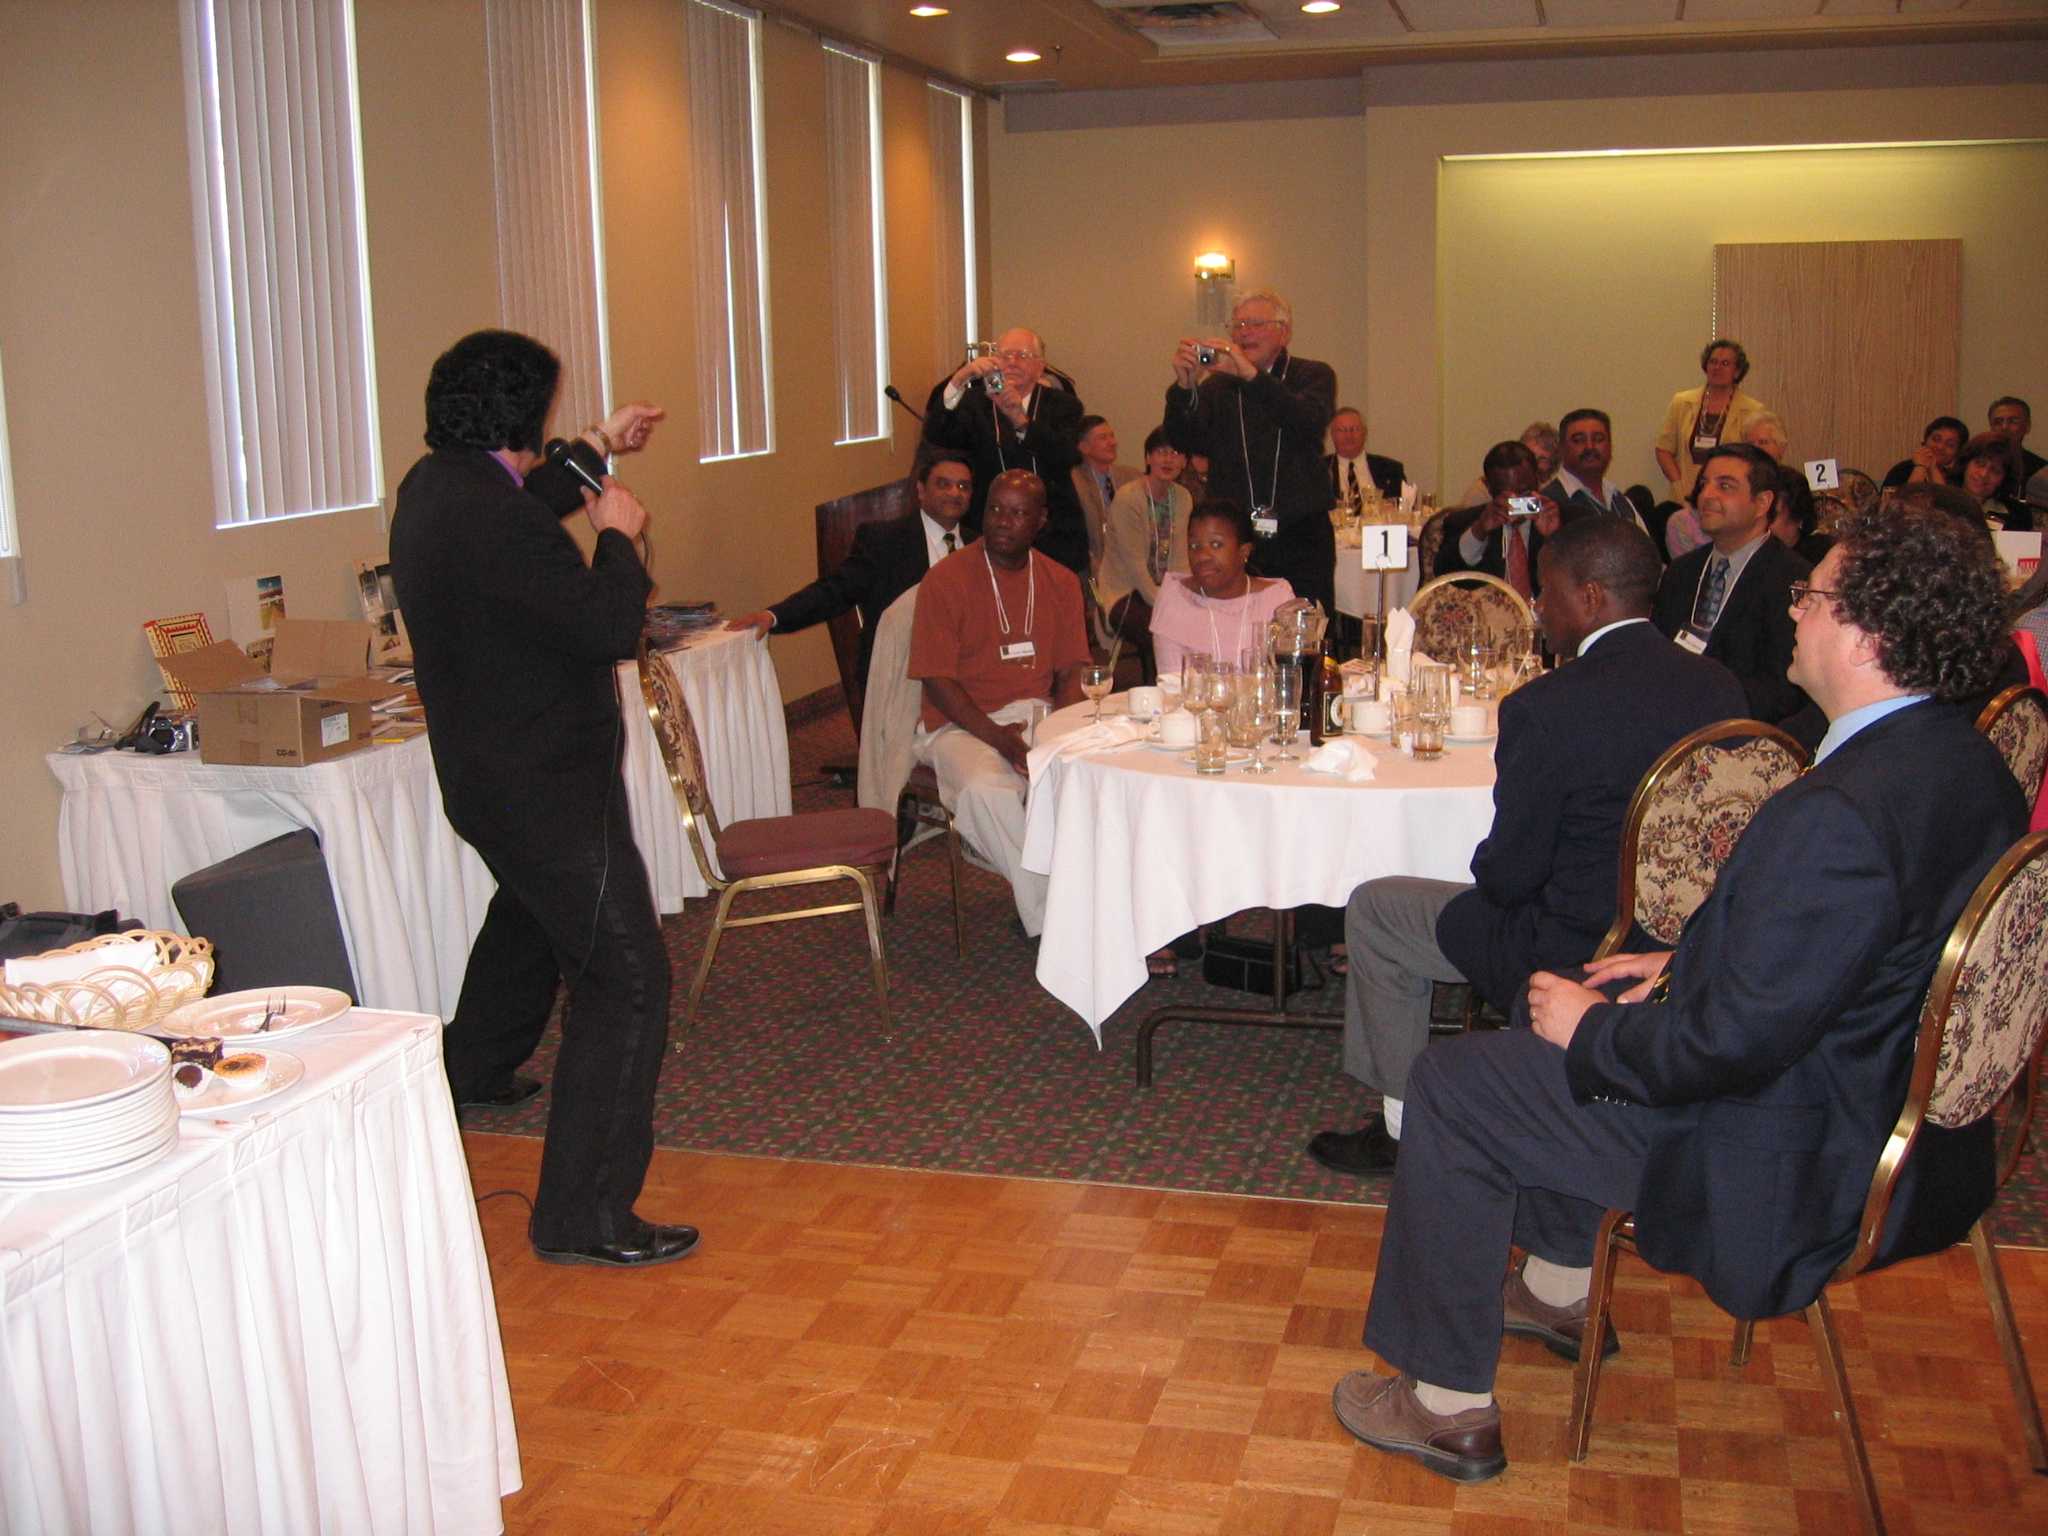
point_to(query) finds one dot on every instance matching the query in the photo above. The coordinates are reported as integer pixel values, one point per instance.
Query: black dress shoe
(650, 1244)
(1369, 1149)
(516, 1089)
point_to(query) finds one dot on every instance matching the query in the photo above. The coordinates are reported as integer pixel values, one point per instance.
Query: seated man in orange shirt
(998, 634)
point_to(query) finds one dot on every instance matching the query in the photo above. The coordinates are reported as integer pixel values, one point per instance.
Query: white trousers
(986, 798)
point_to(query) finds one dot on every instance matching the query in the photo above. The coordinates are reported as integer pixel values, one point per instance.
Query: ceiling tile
(1610, 13)
(1468, 15)
(1751, 10)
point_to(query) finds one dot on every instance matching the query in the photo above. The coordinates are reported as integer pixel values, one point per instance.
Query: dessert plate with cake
(209, 1077)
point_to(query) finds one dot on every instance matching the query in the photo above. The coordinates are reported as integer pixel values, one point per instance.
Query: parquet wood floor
(871, 1352)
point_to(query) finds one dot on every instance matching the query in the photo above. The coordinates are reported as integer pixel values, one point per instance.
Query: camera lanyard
(1259, 509)
(1030, 593)
(1030, 420)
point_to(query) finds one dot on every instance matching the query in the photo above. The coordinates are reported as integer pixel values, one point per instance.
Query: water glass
(1430, 689)
(1286, 711)
(1218, 684)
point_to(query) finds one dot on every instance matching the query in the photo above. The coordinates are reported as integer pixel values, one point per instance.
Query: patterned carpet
(984, 1071)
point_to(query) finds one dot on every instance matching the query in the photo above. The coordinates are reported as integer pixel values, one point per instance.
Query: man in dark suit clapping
(1738, 1096)
(887, 558)
(1573, 746)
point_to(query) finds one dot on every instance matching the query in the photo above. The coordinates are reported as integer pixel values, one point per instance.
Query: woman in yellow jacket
(1702, 419)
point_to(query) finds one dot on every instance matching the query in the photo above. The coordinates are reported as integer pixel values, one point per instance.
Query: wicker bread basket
(118, 997)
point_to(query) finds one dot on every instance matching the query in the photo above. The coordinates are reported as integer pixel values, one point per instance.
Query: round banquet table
(1138, 848)
(411, 894)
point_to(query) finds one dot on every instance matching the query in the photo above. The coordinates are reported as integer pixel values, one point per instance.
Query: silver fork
(270, 1013)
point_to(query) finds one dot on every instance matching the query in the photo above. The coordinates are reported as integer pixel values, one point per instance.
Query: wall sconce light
(1215, 277)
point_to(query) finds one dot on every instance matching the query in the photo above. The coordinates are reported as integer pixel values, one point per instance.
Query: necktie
(1517, 561)
(951, 542)
(1353, 492)
(1708, 608)
(1108, 490)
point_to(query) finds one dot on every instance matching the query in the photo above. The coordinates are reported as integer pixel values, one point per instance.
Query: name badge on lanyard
(1263, 521)
(1692, 640)
(1021, 650)
(1703, 442)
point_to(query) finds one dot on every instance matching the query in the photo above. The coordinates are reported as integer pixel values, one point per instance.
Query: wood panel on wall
(1855, 343)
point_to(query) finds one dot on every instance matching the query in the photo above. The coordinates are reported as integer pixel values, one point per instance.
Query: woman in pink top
(1216, 608)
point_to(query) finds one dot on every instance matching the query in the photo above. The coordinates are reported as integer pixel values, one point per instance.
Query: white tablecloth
(285, 1325)
(1358, 590)
(1140, 849)
(411, 893)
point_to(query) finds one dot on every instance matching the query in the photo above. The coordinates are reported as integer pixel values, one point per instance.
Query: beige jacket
(888, 718)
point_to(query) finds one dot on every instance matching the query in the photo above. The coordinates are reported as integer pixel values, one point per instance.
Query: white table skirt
(285, 1325)
(1139, 849)
(1358, 590)
(410, 892)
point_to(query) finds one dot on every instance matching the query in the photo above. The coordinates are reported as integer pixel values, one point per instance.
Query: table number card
(1384, 546)
(1823, 475)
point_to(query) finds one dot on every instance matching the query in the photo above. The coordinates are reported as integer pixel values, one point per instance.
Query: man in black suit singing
(1352, 469)
(887, 558)
(1002, 414)
(1258, 413)
(1573, 746)
(1737, 1097)
(1730, 598)
(515, 641)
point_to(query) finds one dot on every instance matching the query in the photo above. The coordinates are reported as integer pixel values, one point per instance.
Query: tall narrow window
(284, 282)
(860, 295)
(545, 170)
(737, 409)
(953, 289)
(10, 541)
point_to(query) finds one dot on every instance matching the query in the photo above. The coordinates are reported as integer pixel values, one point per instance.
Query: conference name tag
(1022, 650)
(1692, 640)
(1266, 524)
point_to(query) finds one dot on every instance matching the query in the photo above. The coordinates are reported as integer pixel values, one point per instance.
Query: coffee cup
(1147, 703)
(1367, 717)
(1178, 729)
(1468, 720)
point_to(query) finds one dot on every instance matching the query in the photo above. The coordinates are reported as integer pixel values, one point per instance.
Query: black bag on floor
(31, 933)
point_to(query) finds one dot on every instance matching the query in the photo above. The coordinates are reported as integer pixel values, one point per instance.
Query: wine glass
(1286, 711)
(1257, 701)
(1194, 686)
(1097, 678)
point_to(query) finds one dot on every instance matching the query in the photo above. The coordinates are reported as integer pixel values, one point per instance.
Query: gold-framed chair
(808, 848)
(2017, 723)
(1428, 542)
(1979, 1045)
(1447, 607)
(1685, 817)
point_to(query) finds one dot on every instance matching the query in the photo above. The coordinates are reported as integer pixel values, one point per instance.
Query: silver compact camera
(1206, 356)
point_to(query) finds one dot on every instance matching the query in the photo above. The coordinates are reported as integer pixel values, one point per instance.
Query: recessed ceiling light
(1320, 7)
(1023, 55)
(928, 11)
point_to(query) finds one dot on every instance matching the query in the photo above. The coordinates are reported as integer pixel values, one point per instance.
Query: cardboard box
(312, 705)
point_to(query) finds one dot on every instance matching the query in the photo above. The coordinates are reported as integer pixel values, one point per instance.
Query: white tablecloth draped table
(1140, 849)
(285, 1325)
(411, 893)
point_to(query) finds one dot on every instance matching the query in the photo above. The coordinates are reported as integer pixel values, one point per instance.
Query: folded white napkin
(1114, 731)
(1344, 758)
(1399, 630)
(55, 969)
(1408, 497)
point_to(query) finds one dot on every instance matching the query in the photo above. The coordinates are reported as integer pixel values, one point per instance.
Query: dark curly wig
(1927, 585)
(492, 389)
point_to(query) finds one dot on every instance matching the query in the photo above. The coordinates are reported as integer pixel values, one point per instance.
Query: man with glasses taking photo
(999, 412)
(1259, 413)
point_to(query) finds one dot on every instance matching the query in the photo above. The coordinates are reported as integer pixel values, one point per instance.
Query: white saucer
(217, 1094)
(236, 1015)
(1470, 741)
(1164, 746)
(1231, 755)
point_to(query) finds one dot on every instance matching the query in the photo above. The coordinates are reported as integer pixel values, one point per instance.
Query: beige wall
(1095, 233)
(99, 330)
(1519, 286)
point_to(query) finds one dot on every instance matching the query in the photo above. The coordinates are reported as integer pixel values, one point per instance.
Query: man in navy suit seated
(1738, 1095)
(1573, 746)
(887, 559)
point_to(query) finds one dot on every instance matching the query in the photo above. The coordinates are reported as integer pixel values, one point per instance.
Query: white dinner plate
(84, 1066)
(281, 1069)
(153, 1152)
(236, 1015)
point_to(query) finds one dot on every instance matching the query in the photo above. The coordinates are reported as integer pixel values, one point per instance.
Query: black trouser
(575, 908)
(1131, 617)
(1494, 1150)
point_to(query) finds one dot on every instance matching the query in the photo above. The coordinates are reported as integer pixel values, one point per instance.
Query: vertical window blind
(953, 286)
(860, 295)
(544, 170)
(283, 273)
(736, 402)
(10, 541)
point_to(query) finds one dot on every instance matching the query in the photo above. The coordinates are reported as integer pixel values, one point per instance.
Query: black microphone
(890, 391)
(559, 453)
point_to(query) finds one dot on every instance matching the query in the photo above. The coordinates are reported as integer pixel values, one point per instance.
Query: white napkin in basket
(54, 969)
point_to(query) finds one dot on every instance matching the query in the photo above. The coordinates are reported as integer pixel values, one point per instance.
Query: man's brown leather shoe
(1383, 1412)
(1560, 1328)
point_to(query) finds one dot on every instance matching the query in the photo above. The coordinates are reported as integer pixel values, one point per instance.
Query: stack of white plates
(85, 1104)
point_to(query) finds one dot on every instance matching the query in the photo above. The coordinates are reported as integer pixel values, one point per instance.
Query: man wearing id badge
(997, 639)
(1259, 413)
(1731, 598)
